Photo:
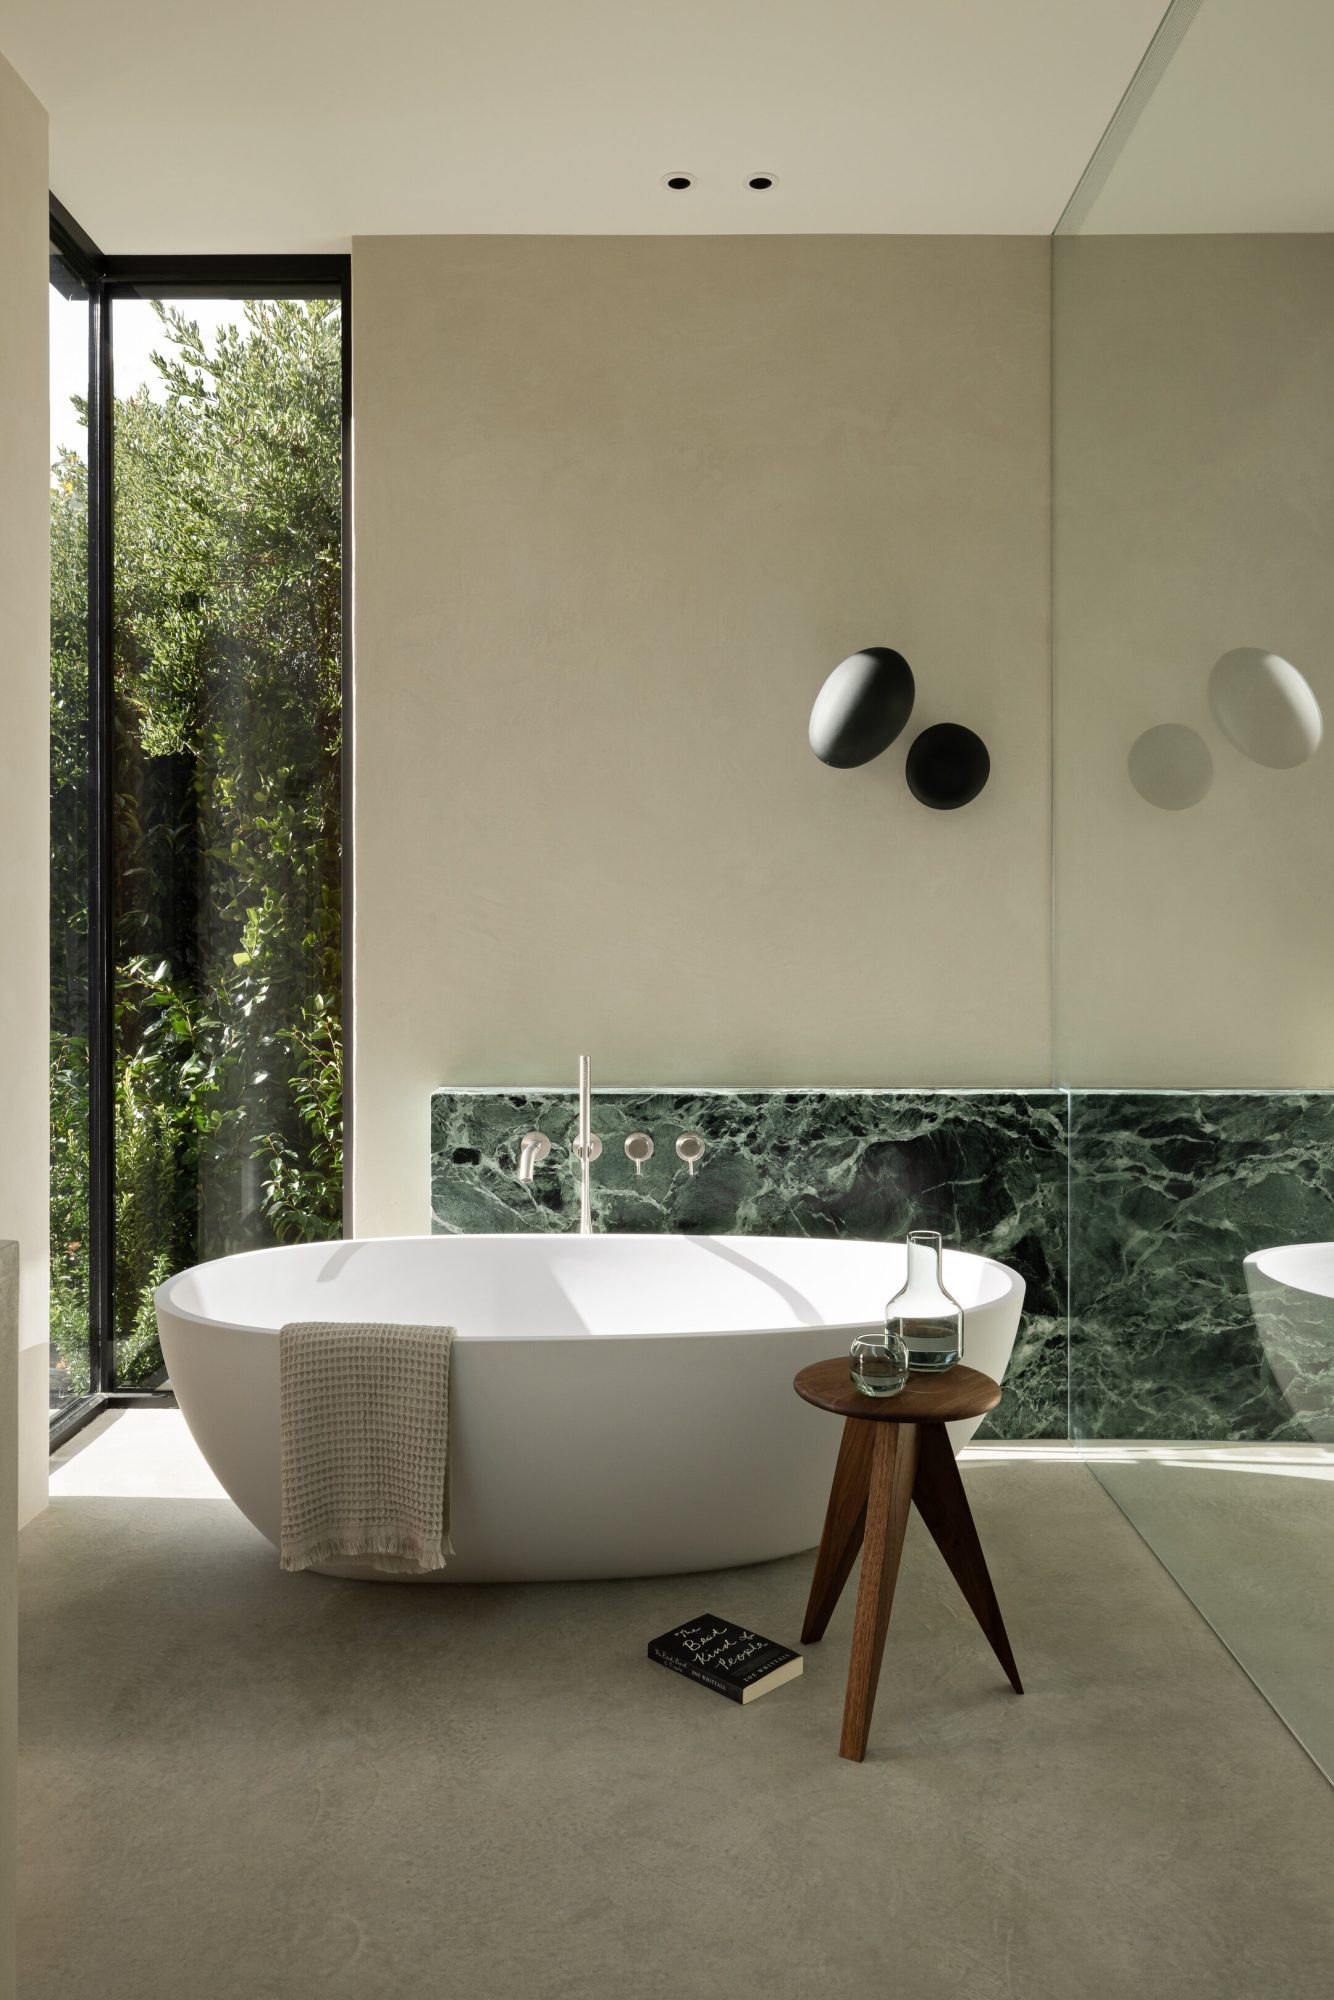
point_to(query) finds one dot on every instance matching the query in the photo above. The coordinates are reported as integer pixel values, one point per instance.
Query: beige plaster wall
(1194, 435)
(24, 777)
(620, 506)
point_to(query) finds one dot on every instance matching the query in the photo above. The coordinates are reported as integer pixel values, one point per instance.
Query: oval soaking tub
(1292, 1296)
(619, 1405)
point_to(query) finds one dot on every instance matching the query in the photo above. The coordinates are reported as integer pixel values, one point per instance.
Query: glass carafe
(924, 1316)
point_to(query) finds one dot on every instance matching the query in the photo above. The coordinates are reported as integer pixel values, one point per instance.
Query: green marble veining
(986, 1168)
(1134, 1209)
(1169, 1192)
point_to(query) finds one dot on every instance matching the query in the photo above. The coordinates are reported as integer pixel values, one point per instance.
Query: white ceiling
(1238, 135)
(297, 124)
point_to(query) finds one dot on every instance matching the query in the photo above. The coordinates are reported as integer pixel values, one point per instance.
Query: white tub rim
(1007, 1281)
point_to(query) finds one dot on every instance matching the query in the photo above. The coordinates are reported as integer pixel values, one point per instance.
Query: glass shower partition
(1193, 450)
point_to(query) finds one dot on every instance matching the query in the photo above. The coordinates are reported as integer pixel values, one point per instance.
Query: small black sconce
(947, 766)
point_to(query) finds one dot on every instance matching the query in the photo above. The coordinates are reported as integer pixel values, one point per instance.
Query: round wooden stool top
(923, 1399)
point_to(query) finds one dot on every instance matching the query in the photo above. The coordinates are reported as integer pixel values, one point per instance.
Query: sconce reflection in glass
(1266, 707)
(1170, 766)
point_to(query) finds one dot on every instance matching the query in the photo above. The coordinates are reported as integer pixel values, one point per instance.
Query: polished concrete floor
(241, 1785)
(1248, 1533)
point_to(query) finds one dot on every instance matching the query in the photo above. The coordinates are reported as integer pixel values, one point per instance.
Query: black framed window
(198, 840)
(72, 325)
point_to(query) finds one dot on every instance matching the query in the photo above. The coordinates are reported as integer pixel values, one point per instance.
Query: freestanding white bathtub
(619, 1405)
(1292, 1296)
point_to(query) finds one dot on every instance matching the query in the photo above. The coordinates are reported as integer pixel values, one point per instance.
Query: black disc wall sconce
(862, 707)
(865, 704)
(947, 766)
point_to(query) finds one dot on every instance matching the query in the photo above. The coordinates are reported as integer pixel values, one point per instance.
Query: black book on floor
(726, 1658)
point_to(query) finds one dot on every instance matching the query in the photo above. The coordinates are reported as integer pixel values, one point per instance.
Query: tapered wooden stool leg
(844, 1524)
(893, 1469)
(943, 1505)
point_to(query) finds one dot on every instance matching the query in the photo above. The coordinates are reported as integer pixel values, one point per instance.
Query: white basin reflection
(1292, 1296)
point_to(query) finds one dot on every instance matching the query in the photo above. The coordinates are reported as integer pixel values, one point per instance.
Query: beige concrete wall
(24, 777)
(620, 506)
(1194, 512)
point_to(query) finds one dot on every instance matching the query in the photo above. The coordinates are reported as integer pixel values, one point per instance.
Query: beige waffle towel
(365, 1425)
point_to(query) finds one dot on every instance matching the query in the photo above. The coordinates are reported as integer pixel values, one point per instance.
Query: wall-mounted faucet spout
(533, 1149)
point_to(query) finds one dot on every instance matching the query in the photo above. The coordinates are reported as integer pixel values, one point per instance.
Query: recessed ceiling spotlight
(761, 181)
(678, 183)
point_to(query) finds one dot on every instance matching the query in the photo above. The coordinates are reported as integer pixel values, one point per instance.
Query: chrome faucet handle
(690, 1148)
(639, 1147)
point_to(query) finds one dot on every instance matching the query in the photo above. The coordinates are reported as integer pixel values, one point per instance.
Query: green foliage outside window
(227, 844)
(69, 927)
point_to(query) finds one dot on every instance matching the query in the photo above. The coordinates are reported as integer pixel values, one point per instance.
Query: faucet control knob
(690, 1148)
(594, 1148)
(639, 1147)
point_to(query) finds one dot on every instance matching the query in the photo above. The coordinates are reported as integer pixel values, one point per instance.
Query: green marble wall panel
(1169, 1191)
(986, 1168)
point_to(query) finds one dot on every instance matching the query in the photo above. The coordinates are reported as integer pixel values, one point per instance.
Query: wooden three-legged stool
(895, 1450)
